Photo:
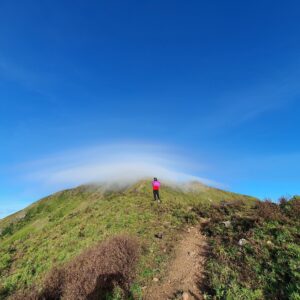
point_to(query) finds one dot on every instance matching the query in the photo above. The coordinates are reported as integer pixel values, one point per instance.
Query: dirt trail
(185, 270)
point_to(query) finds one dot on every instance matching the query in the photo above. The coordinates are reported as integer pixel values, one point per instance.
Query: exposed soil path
(185, 271)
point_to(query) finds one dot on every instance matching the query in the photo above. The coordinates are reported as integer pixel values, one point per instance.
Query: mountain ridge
(58, 227)
(193, 185)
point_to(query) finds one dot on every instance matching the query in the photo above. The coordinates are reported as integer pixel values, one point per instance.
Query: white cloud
(114, 163)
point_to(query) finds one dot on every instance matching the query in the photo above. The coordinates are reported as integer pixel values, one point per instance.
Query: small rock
(188, 230)
(269, 243)
(21, 216)
(227, 224)
(242, 242)
(204, 221)
(185, 296)
(159, 235)
(155, 279)
(178, 294)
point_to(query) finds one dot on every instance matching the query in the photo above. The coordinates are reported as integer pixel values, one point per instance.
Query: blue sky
(215, 84)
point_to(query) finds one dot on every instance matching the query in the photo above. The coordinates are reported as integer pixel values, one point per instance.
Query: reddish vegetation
(91, 275)
(269, 211)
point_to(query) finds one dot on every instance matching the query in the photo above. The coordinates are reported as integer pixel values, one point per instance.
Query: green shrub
(267, 266)
(185, 216)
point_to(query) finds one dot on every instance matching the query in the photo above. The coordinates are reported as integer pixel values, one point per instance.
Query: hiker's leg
(158, 195)
(154, 195)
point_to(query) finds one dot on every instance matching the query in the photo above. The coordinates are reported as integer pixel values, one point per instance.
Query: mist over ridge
(114, 164)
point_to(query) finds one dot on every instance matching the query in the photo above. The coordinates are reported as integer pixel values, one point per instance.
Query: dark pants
(156, 194)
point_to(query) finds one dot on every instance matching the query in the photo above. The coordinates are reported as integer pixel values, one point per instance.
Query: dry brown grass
(269, 211)
(91, 275)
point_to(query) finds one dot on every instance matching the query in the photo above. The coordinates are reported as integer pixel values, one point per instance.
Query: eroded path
(185, 270)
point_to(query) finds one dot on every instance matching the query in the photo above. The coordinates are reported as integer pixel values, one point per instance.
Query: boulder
(159, 235)
(227, 224)
(242, 242)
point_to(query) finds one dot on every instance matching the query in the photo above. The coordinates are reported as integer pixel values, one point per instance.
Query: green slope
(56, 228)
(256, 256)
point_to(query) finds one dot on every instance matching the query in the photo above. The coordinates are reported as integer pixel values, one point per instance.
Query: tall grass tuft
(92, 275)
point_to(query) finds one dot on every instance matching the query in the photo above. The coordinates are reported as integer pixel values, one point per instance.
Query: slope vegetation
(56, 229)
(254, 251)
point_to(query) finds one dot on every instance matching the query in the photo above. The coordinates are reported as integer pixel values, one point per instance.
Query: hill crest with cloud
(64, 229)
(58, 227)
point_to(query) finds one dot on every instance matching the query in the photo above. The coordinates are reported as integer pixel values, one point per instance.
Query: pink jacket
(155, 185)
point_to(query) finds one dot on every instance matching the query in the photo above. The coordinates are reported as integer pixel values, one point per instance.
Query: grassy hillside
(57, 228)
(254, 251)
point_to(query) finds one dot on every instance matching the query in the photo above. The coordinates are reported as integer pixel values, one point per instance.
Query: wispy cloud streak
(116, 163)
(243, 106)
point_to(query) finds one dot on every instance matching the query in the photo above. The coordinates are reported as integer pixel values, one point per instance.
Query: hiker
(156, 186)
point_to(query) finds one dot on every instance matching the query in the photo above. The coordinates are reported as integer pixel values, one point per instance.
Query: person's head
(155, 179)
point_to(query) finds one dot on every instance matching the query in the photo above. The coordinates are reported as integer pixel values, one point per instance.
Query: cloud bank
(122, 163)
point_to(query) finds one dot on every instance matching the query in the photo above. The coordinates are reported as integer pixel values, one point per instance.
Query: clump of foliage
(94, 274)
(254, 250)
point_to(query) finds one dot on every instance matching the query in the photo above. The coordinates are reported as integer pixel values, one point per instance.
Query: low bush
(269, 211)
(292, 207)
(92, 275)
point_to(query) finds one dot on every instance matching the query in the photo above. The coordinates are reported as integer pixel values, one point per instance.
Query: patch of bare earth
(185, 271)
